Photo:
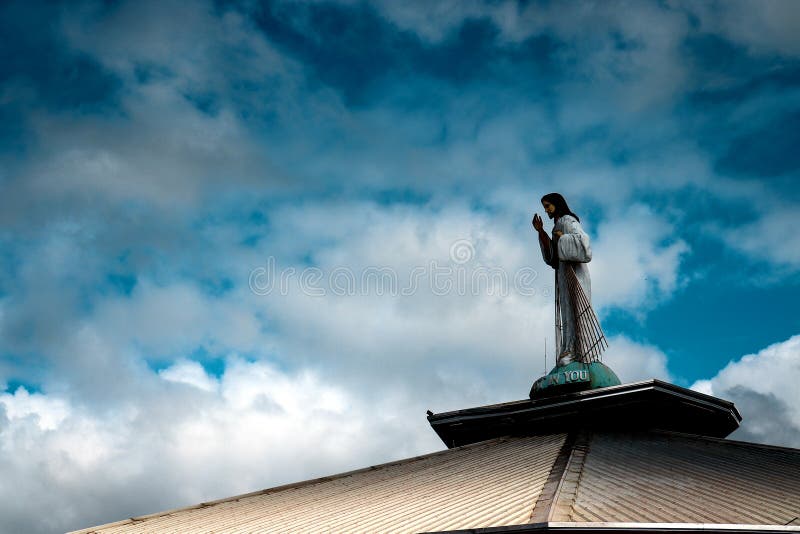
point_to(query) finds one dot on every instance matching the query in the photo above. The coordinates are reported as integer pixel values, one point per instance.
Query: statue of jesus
(579, 337)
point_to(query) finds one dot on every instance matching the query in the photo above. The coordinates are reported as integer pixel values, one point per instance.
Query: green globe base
(575, 376)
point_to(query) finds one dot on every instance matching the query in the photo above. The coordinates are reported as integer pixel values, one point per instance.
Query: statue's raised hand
(537, 222)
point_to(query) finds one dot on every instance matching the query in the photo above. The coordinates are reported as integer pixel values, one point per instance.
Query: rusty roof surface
(579, 478)
(489, 484)
(673, 478)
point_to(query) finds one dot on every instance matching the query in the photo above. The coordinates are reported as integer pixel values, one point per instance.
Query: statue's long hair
(561, 205)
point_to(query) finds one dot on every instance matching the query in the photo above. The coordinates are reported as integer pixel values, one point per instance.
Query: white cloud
(764, 388)
(157, 151)
(772, 237)
(357, 365)
(633, 361)
(261, 427)
(636, 264)
(191, 373)
(177, 318)
(703, 386)
(46, 412)
(637, 258)
(358, 338)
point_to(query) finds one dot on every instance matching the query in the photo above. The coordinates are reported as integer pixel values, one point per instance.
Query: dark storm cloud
(765, 418)
(747, 138)
(768, 151)
(357, 51)
(38, 68)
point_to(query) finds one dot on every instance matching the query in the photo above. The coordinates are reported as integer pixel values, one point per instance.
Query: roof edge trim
(610, 527)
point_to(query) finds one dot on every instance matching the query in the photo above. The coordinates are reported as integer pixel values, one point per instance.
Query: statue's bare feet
(565, 358)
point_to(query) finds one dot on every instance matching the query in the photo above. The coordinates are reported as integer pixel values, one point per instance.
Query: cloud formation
(155, 154)
(762, 386)
(194, 438)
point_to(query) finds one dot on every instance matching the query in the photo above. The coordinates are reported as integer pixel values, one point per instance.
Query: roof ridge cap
(568, 487)
(545, 504)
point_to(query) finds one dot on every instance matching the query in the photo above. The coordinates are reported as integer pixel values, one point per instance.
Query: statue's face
(549, 208)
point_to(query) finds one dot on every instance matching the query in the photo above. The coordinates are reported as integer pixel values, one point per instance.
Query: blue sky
(155, 156)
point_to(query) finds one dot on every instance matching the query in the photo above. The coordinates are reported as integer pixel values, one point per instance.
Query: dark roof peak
(647, 405)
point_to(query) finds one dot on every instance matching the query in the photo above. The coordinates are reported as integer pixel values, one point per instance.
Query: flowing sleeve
(574, 244)
(547, 251)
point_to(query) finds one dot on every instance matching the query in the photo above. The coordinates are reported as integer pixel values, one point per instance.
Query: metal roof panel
(489, 484)
(666, 477)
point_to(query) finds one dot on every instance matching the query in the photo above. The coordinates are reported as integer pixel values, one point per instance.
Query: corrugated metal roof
(490, 484)
(662, 477)
(596, 478)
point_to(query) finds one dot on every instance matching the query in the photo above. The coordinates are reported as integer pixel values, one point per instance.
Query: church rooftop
(576, 481)
(646, 456)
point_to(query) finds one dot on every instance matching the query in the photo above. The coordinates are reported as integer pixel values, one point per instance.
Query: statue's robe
(578, 333)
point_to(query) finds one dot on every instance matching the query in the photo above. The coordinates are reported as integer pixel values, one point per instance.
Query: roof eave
(650, 404)
(612, 527)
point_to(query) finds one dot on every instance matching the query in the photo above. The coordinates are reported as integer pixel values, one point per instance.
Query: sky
(249, 243)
